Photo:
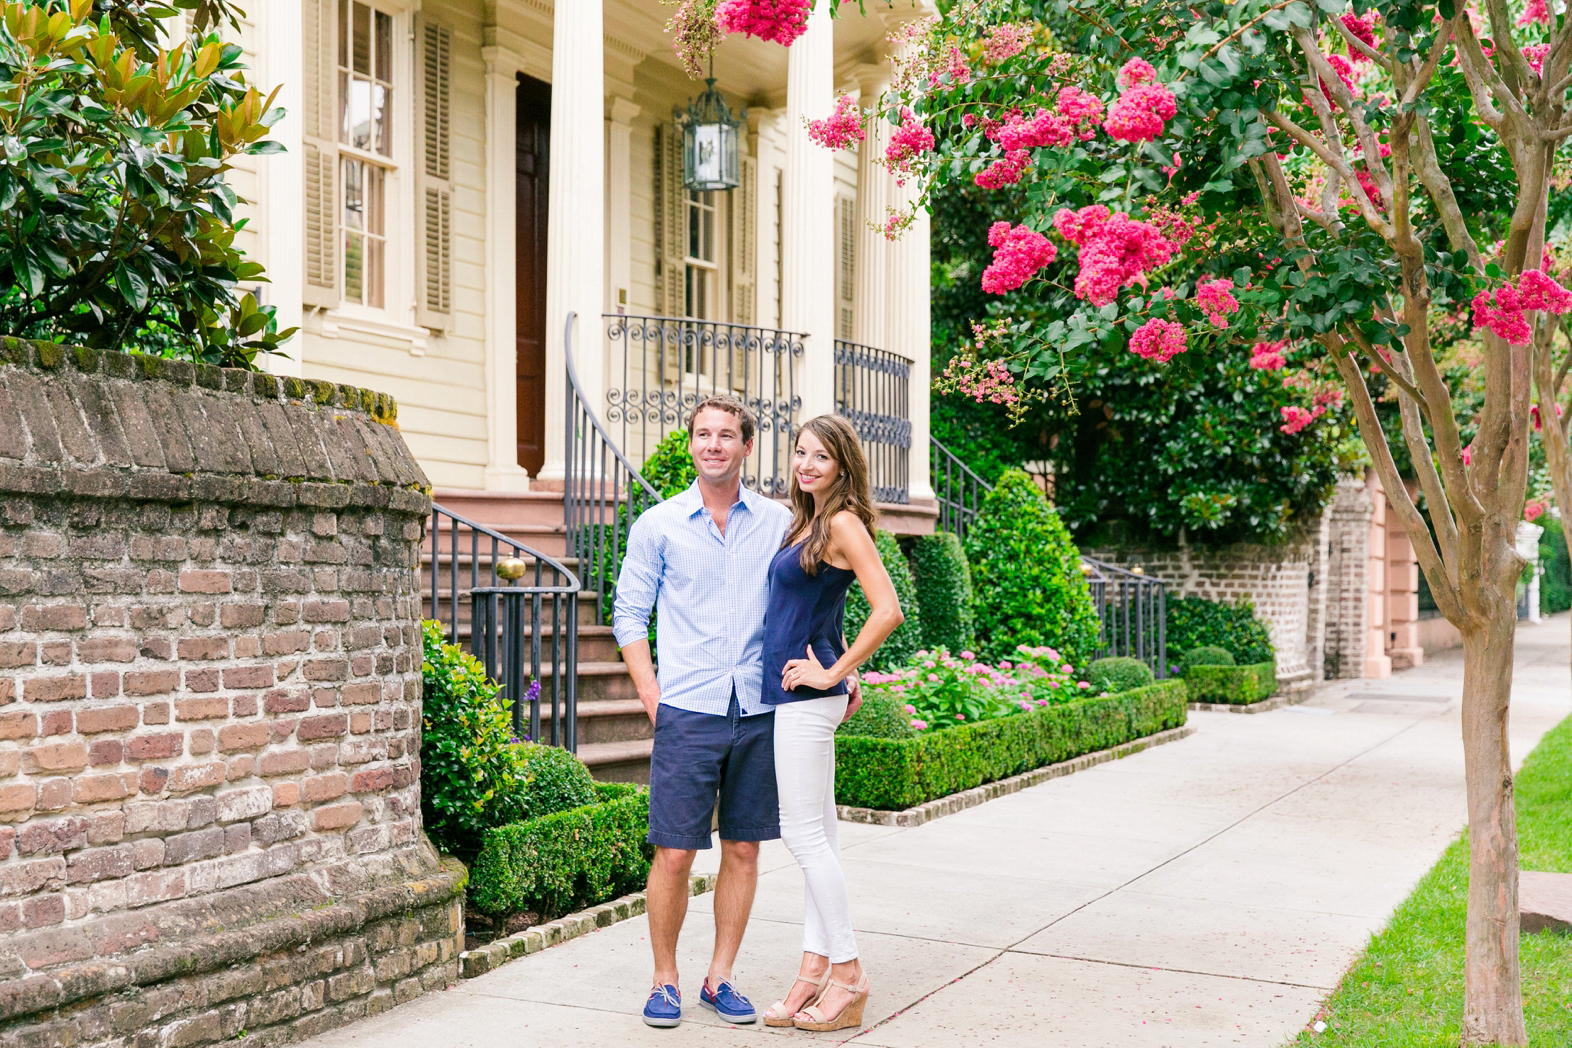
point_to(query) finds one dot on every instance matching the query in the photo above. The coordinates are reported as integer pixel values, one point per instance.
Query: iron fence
(658, 368)
(1132, 613)
(602, 491)
(872, 392)
(958, 490)
(505, 598)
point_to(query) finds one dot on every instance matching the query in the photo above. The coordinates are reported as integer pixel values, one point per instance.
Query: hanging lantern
(709, 141)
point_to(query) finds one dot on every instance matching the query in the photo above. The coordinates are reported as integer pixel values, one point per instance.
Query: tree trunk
(1492, 1002)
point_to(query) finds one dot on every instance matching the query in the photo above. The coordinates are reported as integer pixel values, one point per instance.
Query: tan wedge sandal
(850, 1016)
(777, 1015)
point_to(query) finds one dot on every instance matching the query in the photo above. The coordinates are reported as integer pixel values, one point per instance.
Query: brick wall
(209, 682)
(1348, 580)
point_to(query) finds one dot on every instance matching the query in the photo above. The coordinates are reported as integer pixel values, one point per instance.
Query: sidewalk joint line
(1177, 971)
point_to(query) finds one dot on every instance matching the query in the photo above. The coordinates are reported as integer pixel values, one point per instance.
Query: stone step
(613, 720)
(618, 761)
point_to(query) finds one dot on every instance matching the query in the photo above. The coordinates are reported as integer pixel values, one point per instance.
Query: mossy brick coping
(83, 423)
(198, 954)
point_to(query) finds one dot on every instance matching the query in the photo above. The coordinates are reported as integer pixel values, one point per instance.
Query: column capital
(620, 110)
(871, 77)
(502, 60)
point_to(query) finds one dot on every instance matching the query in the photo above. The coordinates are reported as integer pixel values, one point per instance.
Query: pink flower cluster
(778, 21)
(1363, 26)
(1158, 340)
(1345, 73)
(1535, 11)
(1143, 107)
(1535, 53)
(1075, 117)
(908, 143)
(955, 65)
(1005, 171)
(1502, 313)
(1296, 418)
(982, 380)
(841, 128)
(1006, 41)
(1534, 509)
(1018, 254)
(1268, 356)
(1215, 298)
(1534, 414)
(1116, 250)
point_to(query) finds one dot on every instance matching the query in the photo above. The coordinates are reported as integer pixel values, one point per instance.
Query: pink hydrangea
(1006, 41)
(1363, 26)
(778, 21)
(1215, 298)
(1158, 340)
(1135, 72)
(908, 144)
(920, 725)
(1534, 11)
(1268, 356)
(1018, 254)
(1296, 418)
(1005, 171)
(841, 128)
(1140, 113)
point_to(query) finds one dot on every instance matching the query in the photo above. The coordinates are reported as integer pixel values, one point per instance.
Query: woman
(828, 546)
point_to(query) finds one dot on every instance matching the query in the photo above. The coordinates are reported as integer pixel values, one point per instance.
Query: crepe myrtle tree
(1334, 147)
(117, 223)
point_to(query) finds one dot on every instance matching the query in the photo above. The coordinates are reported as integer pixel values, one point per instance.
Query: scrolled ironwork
(873, 393)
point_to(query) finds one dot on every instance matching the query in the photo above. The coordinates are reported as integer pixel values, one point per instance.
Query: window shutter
(321, 154)
(848, 266)
(671, 237)
(436, 298)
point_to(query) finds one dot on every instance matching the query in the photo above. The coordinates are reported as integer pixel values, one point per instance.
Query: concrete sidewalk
(1206, 892)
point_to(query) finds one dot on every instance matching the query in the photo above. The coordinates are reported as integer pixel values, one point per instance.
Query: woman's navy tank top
(803, 609)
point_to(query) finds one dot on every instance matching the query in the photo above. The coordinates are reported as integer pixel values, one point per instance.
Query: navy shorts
(699, 757)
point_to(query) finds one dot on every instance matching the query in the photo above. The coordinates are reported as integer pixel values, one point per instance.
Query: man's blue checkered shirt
(709, 592)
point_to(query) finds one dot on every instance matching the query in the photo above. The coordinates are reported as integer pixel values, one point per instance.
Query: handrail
(872, 393)
(576, 391)
(956, 487)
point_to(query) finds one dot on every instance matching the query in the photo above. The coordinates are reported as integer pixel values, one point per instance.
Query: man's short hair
(731, 405)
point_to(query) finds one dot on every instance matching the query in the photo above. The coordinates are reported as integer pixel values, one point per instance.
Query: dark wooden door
(532, 178)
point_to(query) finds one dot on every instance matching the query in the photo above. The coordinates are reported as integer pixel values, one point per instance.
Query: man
(701, 560)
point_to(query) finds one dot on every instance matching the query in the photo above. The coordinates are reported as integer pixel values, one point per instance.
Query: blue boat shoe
(664, 1008)
(727, 1003)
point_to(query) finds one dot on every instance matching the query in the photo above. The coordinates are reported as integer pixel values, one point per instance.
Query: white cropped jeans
(805, 776)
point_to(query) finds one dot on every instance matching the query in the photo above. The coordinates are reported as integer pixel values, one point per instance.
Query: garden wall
(209, 708)
(1276, 579)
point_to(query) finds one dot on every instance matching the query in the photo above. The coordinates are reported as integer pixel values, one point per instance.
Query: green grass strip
(1407, 989)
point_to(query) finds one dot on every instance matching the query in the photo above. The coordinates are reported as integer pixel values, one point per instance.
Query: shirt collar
(691, 502)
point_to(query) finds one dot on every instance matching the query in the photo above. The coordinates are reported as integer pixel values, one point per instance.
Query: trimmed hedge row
(564, 862)
(892, 774)
(1236, 685)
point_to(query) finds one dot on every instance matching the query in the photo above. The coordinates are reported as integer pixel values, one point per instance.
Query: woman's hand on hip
(853, 696)
(807, 673)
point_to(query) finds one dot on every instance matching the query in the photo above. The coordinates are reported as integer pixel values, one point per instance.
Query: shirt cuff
(628, 632)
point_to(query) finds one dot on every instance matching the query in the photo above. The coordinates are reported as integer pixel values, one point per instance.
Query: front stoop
(1014, 784)
(495, 954)
(309, 961)
(1544, 902)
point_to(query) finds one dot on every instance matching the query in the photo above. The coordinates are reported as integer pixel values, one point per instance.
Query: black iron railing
(602, 491)
(958, 490)
(658, 368)
(872, 391)
(1132, 613)
(519, 611)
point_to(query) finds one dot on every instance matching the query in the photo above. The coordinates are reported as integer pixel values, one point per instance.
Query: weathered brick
(151, 682)
(106, 649)
(202, 648)
(55, 756)
(326, 726)
(51, 836)
(42, 911)
(251, 736)
(97, 864)
(238, 616)
(18, 653)
(154, 747)
(369, 780)
(19, 725)
(283, 762)
(188, 847)
(37, 618)
(190, 777)
(193, 580)
(93, 720)
(55, 689)
(360, 693)
(209, 708)
(248, 677)
(324, 787)
(91, 789)
(337, 816)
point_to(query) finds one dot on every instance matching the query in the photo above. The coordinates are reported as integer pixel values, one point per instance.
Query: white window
(365, 136)
(703, 265)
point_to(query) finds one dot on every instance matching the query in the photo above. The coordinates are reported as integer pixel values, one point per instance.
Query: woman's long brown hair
(849, 490)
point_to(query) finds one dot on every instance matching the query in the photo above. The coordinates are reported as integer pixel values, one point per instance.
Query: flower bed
(893, 774)
(1232, 685)
(573, 859)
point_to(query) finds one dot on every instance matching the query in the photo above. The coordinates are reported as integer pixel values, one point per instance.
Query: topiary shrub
(944, 592)
(1027, 576)
(471, 778)
(906, 641)
(881, 717)
(1207, 655)
(1555, 580)
(554, 780)
(1194, 622)
(1119, 673)
(669, 469)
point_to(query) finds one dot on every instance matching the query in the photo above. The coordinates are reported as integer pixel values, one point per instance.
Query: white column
(281, 177)
(1528, 546)
(619, 204)
(575, 233)
(874, 186)
(908, 326)
(808, 213)
(503, 472)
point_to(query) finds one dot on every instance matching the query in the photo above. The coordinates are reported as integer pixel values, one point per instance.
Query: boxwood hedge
(1234, 685)
(892, 774)
(564, 862)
